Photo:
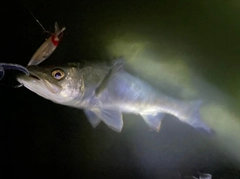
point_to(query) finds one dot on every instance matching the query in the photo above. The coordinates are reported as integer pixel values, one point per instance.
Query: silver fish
(104, 93)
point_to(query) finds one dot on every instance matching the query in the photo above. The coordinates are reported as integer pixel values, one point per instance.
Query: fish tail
(191, 115)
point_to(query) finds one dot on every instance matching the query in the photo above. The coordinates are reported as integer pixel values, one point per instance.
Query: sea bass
(104, 93)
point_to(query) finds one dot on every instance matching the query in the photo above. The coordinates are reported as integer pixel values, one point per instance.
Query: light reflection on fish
(104, 93)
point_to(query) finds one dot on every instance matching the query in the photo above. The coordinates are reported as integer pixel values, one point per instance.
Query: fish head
(59, 84)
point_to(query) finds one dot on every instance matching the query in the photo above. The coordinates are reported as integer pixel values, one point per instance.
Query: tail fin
(190, 114)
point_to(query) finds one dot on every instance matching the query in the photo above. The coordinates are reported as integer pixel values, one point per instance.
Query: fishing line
(39, 23)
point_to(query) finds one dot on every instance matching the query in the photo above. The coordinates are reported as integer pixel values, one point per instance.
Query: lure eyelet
(58, 74)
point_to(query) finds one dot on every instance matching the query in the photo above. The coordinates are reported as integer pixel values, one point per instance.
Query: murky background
(187, 49)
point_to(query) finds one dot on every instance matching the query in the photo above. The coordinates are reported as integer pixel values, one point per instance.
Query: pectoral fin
(116, 67)
(153, 120)
(92, 117)
(112, 119)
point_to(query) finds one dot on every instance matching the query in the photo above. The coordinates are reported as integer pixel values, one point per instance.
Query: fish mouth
(53, 88)
(34, 76)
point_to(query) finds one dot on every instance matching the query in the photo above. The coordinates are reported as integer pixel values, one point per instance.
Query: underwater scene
(120, 89)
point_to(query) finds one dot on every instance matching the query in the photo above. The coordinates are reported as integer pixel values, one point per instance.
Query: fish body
(104, 93)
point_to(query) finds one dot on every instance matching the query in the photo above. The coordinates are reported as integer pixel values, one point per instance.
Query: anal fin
(153, 120)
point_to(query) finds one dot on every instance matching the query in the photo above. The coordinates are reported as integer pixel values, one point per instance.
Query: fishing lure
(48, 47)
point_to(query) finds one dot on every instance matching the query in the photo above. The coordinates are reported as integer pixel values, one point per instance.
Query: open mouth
(33, 76)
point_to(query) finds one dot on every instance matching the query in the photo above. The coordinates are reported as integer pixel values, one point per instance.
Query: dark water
(40, 139)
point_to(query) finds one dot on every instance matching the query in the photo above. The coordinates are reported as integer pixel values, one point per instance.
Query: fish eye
(58, 74)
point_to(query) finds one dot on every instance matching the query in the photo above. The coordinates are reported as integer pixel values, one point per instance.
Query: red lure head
(55, 40)
(56, 37)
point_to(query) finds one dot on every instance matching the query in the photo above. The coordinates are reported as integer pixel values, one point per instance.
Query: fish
(105, 92)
